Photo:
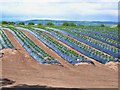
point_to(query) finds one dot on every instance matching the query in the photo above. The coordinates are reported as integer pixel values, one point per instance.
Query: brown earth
(18, 66)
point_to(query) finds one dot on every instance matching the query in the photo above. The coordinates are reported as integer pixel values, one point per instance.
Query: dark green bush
(30, 23)
(49, 24)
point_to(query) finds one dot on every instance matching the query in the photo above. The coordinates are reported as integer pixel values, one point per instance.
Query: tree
(11, 23)
(68, 24)
(30, 23)
(21, 23)
(49, 24)
(102, 25)
(118, 25)
(39, 24)
(72, 24)
(4, 22)
(65, 24)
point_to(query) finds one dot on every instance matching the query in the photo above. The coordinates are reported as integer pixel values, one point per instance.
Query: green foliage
(11, 23)
(68, 24)
(21, 23)
(39, 24)
(4, 22)
(118, 25)
(49, 24)
(65, 24)
(30, 23)
(81, 26)
(102, 25)
(72, 24)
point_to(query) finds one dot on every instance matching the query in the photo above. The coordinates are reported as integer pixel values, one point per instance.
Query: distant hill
(59, 22)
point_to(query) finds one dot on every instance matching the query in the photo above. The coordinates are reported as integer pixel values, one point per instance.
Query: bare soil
(19, 67)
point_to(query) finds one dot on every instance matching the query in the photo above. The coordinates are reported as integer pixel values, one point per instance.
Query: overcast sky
(81, 10)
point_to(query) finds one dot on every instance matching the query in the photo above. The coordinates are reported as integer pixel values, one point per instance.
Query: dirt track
(24, 70)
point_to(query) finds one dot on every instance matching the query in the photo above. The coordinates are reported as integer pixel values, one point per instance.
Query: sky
(75, 10)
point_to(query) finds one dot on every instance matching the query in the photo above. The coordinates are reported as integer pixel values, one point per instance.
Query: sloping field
(17, 68)
(58, 57)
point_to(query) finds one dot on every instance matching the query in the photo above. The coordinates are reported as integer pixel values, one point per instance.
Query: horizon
(72, 10)
(55, 20)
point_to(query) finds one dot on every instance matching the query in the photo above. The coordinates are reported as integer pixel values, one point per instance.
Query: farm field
(68, 43)
(50, 54)
(59, 44)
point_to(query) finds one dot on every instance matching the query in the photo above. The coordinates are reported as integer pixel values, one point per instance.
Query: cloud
(47, 1)
(60, 9)
(94, 8)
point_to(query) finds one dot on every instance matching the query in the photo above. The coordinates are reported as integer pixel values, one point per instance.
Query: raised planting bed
(98, 36)
(4, 41)
(34, 50)
(81, 47)
(111, 50)
(69, 55)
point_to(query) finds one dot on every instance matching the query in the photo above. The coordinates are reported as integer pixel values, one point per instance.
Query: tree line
(48, 24)
(31, 23)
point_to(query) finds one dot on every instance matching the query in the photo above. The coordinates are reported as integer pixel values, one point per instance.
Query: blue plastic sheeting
(103, 30)
(32, 54)
(7, 44)
(77, 48)
(81, 50)
(86, 42)
(66, 57)
(2, 42)
(90, 35)
(105, 35)
(85, 32)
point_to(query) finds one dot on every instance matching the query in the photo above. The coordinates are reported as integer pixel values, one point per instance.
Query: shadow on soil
(5, 81)
(37, 87)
